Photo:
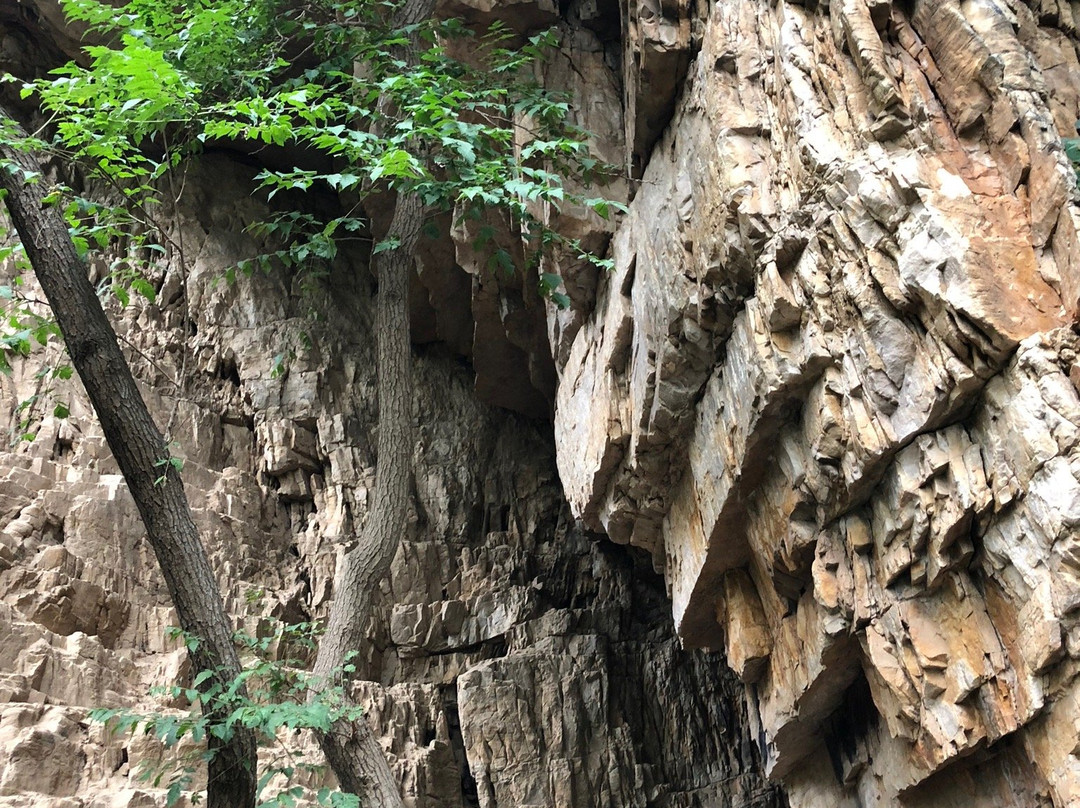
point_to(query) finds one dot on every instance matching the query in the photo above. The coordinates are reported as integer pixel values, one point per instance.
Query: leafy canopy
(466, 127)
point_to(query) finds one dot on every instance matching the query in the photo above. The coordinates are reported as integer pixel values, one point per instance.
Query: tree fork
(139, 449)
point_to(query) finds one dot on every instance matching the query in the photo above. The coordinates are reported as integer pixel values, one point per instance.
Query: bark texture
(139, 448)
(351, 749)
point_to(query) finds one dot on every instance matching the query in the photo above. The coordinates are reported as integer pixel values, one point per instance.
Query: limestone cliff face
(828, 396)
(516, 660)
(831, 387)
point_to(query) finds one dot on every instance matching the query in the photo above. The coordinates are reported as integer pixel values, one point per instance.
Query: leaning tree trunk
(139, 449)
(350, 747)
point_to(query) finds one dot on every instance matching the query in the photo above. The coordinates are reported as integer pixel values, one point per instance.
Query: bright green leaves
(396, 164)
(143, 287)
(386, 245)
(604, 207)
(295, 180)
(341, 182)
(271, 695)
(104, 111)
(222, 45)
(337, 799)
(165, 463)
(21, 330)
(465, 134)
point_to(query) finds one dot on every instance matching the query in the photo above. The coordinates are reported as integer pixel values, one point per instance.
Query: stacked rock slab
(831, 386)
(828, 392)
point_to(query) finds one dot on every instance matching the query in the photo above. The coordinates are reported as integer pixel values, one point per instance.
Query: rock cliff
(805, 531)
(831, 388)
(516, 658)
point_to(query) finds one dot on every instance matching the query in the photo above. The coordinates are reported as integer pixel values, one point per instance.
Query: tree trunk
(139, 449)
(351, 749)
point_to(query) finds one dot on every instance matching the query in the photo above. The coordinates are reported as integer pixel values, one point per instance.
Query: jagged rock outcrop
(831, 386)
(516, 659)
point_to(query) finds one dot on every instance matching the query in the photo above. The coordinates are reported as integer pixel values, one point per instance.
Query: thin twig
(182, 260)
(170, 379)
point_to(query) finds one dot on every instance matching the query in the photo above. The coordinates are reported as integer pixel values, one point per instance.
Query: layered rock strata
(515, 660)
(829, 393)
(831, 387)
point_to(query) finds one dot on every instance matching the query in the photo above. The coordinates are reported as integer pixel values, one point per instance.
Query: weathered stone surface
(833, 378)
(747, 640)
(515, 659)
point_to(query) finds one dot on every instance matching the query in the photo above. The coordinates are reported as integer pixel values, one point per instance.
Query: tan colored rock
(492, 573)
(887, 437)
(746, 631)
(830, 389)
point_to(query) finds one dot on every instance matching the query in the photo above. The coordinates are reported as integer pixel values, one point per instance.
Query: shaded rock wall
(829, 394)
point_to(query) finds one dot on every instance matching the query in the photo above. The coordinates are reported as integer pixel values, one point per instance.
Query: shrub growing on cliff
(267, 697)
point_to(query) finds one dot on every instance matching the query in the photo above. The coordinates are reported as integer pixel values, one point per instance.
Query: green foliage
(25, 321)
(270, 696)
(1072, 151)
(328, 79)
(163, 464)
(23, 328)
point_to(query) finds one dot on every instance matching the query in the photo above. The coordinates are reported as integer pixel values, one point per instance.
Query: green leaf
(385, 245)
(144, 288)
(341, 182)
(502, 259)
(549, 282)
(277, 366)
(174, 794)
